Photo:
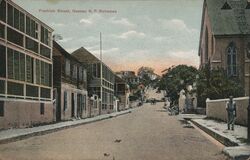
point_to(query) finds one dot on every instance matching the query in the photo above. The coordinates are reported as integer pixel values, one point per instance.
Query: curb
(225, 141)
(230, 152)
(47, 131)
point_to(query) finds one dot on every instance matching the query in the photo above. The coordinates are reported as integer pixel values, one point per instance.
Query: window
(15, 18)
(2, 87)
(231, 60)
(41, 108)
(206, 46)
(31, 45)
(14, 37)
(15, 89)
(67, 67)
(10, 64)
(16, 65)
(94, 70)
(29, 69)
(85, 75)
(1, 108)
(80, 74)
(10, 15)
(65, 101)
(2, 31)
(3, 10)
(47, 75)
(98, 70)
(44, 51)
(31, 91)
(74, 72)
(31, 27)
(46, 71)
(45, 36)
(45, 93)
(21, 24)
(38, 75)
(2, 61)
(226, 6)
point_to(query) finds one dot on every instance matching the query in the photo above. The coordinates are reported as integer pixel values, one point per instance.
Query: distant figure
(231, 113)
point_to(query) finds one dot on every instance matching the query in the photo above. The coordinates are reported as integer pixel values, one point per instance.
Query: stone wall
(217, 109)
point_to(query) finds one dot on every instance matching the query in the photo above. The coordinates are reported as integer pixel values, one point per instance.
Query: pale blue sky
(157, 33)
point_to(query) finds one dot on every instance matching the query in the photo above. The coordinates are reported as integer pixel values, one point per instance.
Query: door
(72, 105)
(56, 105)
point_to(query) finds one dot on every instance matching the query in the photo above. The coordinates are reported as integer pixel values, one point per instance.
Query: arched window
(231, 60)
(206, 45)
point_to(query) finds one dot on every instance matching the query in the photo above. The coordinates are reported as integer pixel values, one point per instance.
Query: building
(225, 37)
(70, 82)
(129, 77)
(101, 79)
(122, 92)
(25, 68)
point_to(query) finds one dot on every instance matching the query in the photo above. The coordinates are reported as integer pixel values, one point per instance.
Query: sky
(152, 33)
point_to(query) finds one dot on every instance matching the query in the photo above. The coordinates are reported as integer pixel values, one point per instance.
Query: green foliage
(215, 84)
(143, 73)
(177, 78)
(136, 96)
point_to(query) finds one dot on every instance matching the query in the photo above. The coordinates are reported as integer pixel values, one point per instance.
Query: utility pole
(101, 89)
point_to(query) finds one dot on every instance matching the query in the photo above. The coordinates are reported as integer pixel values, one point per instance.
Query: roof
(119, 80)
(228, 17)
(85, 56)
(63, 52)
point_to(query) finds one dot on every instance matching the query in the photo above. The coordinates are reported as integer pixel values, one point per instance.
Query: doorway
(72, 105)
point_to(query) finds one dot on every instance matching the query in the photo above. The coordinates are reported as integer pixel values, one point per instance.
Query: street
(147, 133)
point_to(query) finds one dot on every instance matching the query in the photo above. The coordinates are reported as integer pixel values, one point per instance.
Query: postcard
(124, 79)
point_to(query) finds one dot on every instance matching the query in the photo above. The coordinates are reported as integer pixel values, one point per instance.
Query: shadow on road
(161, 110)
(186, 124)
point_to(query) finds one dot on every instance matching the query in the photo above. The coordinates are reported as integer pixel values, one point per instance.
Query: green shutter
(10, 64)
(16, 66)
(22, 67)
(38, 74)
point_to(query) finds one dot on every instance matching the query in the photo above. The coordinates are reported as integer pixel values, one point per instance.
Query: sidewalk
(11, 135)
(235, 141)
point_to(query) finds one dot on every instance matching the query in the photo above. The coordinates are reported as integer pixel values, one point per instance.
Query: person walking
(231, 113)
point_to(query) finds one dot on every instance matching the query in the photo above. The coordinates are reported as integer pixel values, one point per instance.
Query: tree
(215, 84)
(177, 78)
(144, 73)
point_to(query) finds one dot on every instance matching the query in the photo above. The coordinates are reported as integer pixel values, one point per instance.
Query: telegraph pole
(101, 89)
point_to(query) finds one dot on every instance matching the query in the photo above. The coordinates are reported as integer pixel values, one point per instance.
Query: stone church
(225, 37)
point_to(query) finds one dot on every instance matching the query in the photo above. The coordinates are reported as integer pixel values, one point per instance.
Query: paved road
(146, 134)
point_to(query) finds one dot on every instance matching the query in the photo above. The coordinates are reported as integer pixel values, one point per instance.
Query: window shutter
(10, 64)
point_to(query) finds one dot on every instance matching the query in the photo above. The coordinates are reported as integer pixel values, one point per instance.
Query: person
(231, 113)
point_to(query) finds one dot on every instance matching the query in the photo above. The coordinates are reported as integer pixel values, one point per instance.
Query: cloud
(188, 57)
(86, 21)
(131, 34)
(123, 21)
(177, 25)
(92, 20)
